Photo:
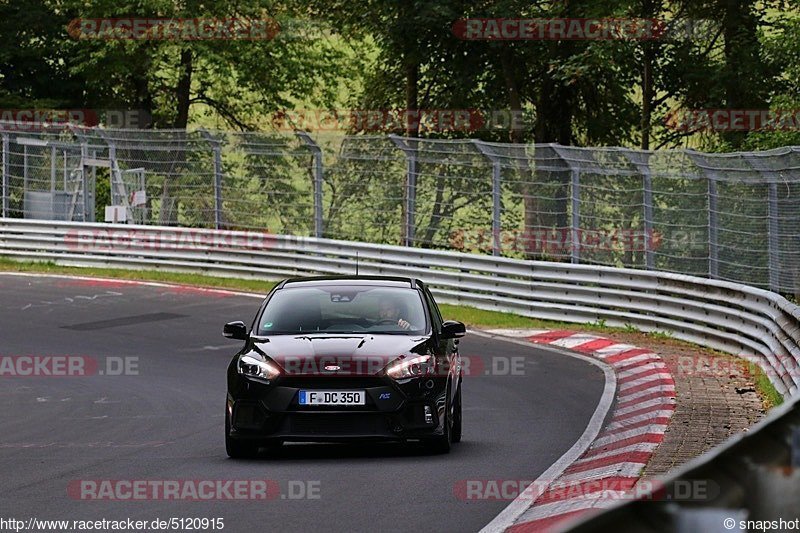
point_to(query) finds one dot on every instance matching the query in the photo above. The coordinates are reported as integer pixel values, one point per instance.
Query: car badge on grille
(332, 368)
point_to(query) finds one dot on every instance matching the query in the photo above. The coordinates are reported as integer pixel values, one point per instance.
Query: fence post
(575, 186)
(713, 229)
(66, 172)
(318, 177)
(773, 215)
(6, 180)
(216, 146)
(88, 191)
(774, 240)
(576, 216)
(88, 196)
(496, 192)
(113, 168)
(411, 188)
(711, 176)
(649, 251)
(643, 166)
(25, 184)
(114, 177)
(53, 168)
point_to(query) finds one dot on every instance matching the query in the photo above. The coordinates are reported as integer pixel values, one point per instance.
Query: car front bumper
(393, 411)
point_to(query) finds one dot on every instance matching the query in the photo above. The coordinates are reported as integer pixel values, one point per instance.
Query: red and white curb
(613, 463)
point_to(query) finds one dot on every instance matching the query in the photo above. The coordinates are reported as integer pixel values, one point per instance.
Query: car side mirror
(235, 330)
(453, 330)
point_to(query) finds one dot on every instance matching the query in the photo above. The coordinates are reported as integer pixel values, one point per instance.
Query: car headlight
(410, 368)
(256, 367)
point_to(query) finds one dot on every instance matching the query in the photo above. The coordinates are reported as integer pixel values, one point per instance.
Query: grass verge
(8, 265)
(769, 394)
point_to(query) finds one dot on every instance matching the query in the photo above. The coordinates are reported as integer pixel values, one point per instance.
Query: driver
(389, 310)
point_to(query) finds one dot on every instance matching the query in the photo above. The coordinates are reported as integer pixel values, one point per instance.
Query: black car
(345, 358)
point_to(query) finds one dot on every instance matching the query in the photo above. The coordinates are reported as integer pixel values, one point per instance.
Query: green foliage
(769, 394)
(102, 194)
(373, 54)
(238, 81)
(599, 324)
(33, 46)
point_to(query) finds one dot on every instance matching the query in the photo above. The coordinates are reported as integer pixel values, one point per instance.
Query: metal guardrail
(733, 318)
(727, 216)
(754, 476)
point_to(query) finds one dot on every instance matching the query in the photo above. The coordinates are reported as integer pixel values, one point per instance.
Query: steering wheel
(386, 321)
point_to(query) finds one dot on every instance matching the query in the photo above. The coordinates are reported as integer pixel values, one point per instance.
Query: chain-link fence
(728, 216)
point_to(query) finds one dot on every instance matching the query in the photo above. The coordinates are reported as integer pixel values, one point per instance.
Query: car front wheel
(442, 443)
(457, 417)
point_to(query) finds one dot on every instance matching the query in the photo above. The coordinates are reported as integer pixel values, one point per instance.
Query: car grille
(337, 424)
(325, 382)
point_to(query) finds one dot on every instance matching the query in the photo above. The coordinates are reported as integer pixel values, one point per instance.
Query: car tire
(237, 449)
(441, 444)
(457, 417)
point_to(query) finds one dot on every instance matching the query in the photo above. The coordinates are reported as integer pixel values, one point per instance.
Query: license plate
(332, 397)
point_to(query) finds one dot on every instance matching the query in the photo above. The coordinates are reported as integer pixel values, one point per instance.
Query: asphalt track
(165, 422)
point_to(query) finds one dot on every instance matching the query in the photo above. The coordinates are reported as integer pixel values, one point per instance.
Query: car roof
(381, 281)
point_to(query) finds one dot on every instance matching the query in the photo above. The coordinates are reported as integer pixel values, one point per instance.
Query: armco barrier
(733, 318)
(755, 476)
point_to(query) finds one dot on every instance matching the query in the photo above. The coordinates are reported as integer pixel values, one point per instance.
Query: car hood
(323, 349)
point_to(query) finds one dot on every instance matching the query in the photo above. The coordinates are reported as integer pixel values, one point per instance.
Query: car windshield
(344, 309)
